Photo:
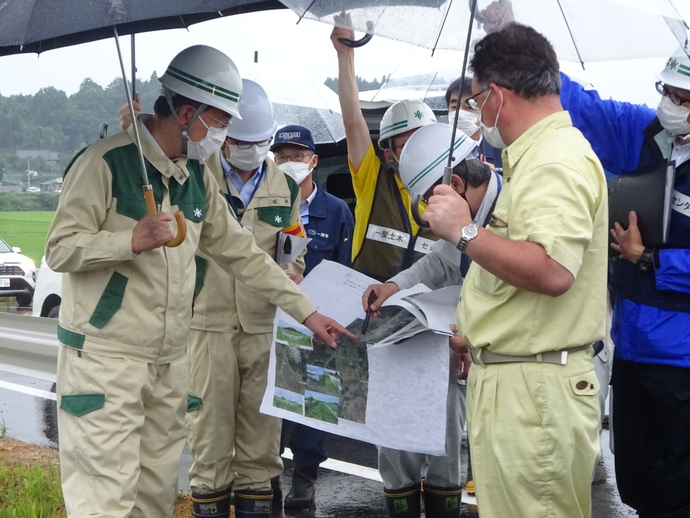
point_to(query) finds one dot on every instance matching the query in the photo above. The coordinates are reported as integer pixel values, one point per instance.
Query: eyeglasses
(471, 102)
(295, 157)
(221, 124)
(241, 144)
(674, 97)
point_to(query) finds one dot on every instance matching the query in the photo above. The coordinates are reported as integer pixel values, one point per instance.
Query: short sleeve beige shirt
(554, 194)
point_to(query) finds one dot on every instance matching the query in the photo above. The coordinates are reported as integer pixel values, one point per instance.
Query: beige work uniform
(534, 427)
(124, 321)
(231, 442)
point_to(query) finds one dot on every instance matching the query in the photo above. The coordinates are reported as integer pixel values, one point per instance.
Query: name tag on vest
(680, 203)
(423, 245)
(397, 238)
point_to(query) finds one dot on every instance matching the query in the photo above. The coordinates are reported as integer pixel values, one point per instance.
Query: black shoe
(302, 493)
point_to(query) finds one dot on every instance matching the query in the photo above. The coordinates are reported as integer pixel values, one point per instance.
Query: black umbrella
(34, 26)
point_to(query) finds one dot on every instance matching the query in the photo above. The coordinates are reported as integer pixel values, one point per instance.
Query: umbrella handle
(179, 218)
(416, 197)
(363, 40)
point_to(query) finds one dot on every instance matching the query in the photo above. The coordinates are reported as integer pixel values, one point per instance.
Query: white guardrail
(28, 346)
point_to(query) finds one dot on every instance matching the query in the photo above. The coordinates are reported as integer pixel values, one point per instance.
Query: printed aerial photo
(320, 382)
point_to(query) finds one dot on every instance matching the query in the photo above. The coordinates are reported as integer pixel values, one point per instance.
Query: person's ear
(315, 161)
(185, 113)
(387, 155)
(457, 183)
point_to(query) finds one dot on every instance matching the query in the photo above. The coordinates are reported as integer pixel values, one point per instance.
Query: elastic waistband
(485, 357)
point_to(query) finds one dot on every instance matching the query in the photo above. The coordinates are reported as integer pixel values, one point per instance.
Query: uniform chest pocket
(319, 244)
(276, 215)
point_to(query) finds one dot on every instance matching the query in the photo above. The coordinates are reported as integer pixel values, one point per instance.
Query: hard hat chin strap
(185, 133)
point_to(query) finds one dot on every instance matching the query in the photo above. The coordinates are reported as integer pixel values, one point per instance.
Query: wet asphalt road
(26, 415)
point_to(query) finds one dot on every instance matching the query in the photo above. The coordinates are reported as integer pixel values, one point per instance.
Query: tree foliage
(53, 121)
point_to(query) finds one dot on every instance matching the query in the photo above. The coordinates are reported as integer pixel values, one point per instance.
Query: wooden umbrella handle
(179, 218)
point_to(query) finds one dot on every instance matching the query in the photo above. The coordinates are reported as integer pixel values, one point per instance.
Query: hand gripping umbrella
(34, 26)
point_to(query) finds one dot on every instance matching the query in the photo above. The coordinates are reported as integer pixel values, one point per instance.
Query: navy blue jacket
(330, 228)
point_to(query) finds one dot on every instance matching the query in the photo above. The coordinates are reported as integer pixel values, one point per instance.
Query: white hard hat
(206, 75)
(425, 156)
(257, 122)
(404, 116)
(677, 71)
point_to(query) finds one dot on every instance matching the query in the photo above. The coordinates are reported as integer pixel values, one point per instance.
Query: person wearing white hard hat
(650, 286)
(233, 445)
(422, 165)
(122, 381)
(387, 239)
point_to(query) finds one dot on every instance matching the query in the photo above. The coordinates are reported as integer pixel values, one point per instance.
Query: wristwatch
(646, 260)
(469, 232)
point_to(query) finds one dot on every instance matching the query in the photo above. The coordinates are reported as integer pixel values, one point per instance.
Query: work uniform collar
(154, 154)
(513, 153)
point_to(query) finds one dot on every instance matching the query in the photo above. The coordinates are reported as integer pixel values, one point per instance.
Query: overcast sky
(306, 48)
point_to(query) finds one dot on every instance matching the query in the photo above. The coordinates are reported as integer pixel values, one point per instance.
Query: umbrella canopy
(298, 99)
(34, 26)
(580, 30)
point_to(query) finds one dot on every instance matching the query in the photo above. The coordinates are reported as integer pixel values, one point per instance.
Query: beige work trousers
(231, 442)
(121, 426)
(534, 436)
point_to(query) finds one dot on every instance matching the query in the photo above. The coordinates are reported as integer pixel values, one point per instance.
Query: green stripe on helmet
(199, 83)
(397, 125)
(684, 70)
(441, 158)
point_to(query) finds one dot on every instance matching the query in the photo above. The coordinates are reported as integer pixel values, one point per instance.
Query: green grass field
(27, 230)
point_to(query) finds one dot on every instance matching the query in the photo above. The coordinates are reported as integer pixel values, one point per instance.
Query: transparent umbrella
(299, 99)
(580, 30)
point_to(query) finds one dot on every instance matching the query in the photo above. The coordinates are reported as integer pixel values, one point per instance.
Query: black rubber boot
(404, 502)
(253, 504)
(211, 505)
(302, 493)
(442, 502)
(277, 488)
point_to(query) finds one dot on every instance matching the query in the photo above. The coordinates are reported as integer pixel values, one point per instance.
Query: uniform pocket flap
(275, 215)
(81, 404)
(194, 403)
(585, 384)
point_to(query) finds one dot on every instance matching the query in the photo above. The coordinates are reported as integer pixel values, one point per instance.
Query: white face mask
(298, 171)
(247, 159)
(468, 122)
(491, 134)
(673, 118)
(208, 145)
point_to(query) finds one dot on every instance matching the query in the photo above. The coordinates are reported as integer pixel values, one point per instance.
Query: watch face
(469, 231)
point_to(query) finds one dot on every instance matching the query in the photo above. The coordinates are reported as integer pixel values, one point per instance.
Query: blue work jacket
(651, 317)
(330, 228)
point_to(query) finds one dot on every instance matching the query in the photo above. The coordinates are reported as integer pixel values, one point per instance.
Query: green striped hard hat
(425, 155)
(677, 71)
(206, 75)
(403, 116)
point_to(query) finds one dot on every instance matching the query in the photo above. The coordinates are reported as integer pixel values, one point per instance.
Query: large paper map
(371, 389)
